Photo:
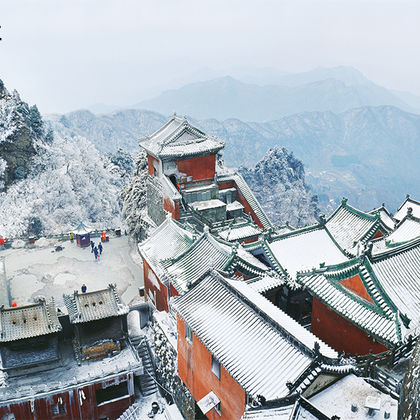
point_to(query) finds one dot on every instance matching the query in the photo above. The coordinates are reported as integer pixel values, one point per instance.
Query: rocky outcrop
(278, 182)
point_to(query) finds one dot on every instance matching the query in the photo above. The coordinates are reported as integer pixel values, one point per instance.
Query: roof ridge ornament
(344, 201)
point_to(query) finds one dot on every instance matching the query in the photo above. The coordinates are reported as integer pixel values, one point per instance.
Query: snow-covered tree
(68, 182)
(134, 200)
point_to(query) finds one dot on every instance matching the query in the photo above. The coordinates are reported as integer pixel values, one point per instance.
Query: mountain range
(267, 94)
(368, 154)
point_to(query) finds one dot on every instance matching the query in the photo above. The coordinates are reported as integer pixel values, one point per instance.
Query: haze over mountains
(268, 94)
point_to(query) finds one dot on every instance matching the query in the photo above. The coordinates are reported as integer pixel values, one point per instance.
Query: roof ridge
(395, 250)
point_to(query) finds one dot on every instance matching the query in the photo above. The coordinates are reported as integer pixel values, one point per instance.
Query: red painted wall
(203, 167)
(194, 369)
(161, 293)
(339, 333)
(378, 234)
(171, 207)
(150, 161)
(87, 411)
(356, 285)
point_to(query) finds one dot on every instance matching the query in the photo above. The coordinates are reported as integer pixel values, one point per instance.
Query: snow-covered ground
(42, 271)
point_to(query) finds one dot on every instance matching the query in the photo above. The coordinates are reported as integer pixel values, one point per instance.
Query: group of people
(96, 250)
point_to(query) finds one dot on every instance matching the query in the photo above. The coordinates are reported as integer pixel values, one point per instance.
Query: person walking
(95, 251)
(100, 247)
(92, 244)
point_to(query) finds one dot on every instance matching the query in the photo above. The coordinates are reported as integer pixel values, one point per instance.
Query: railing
(389, 357)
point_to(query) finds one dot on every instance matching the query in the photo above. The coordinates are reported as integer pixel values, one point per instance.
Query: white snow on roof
(408, 229)
(257, 355)
(208, 204)
(399, 276)
(385, 217)
(265, 283)
(306, 251)
(281, 413)
(281, 318)
(233, 233)
(402, 211)
(168, 241)
(339, 397)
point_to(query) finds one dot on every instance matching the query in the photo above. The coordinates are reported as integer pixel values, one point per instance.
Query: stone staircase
(148, 378)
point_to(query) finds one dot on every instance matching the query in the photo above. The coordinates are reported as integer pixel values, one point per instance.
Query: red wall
(194, 369)
(203, 167)
(87, 411)
(150, 161)
(161, 294)
(339, 333)
(171, 207)
(355, 283)
(378, 234)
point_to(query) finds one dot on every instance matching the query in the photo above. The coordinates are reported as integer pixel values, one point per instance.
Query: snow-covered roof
(402, 210)
(398, 271)
(338, 399)
(28, 321)
(236, 205)
(265, 283)
(178, 139)
(168, 241)
(239, 231)
(377, 317)
(92, 306)
(348, 226)
(304, 249)
(249, 196)
(82, 229)
(207, 204)
(207, 252)
(385, 216)
(260, 346)
(406, 230)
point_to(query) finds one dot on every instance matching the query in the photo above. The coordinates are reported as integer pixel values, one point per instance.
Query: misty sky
(65, 55)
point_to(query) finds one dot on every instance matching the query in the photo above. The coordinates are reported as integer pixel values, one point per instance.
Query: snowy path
(43, 271)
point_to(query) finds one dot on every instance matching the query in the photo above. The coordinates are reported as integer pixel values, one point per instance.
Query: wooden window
(188, 333)
(215, 367)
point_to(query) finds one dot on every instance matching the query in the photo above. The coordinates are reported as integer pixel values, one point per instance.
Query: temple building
(186, 180)
(370, 303)
(236, 349)
(50, 370)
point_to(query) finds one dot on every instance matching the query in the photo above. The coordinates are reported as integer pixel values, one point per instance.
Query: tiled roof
(28, 321)
(402, 211)
(82, 229)
(92, 306)
(280, 413)
(303, 249)
(398, 271)
(406, 230)
(385, 216)
(378, 318)
(348, 226)
(167, 242)
(205, 253)
(241, 231)
(260, 346)
(178, 138)
(249, 196)
(265, 283)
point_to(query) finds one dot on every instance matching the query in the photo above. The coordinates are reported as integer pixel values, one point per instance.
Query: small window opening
(215, 367)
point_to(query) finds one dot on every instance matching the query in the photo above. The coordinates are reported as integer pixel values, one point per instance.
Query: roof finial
(174, 114)
(407, 196)
(344, 201)
(409, 211)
